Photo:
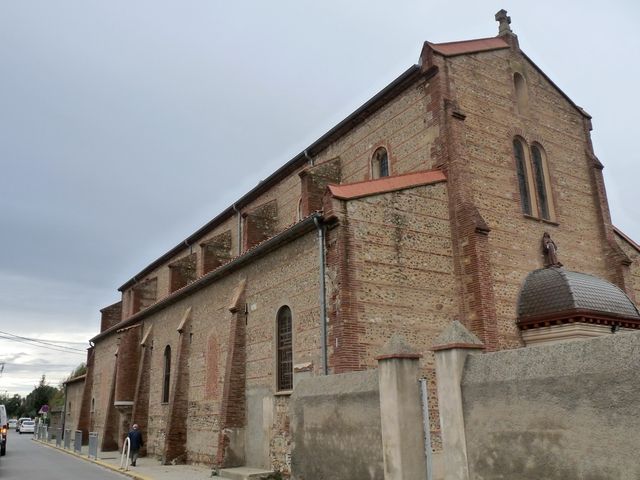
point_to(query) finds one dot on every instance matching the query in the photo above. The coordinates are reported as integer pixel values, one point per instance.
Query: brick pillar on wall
(216, 252)
(314, 181)
(346, 353)
(110, 428)
(182, 272)
(476, 270)
(233, 405)
(175, 442)
(260, 224)
(617, 261)
(140, 411)
(127, 363)
(110, 316)
(84, 422)
(470, 233)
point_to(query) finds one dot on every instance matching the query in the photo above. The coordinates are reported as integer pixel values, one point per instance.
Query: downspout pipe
(323, 303)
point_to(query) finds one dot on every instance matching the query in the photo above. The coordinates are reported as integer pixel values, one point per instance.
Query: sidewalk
(147, 468)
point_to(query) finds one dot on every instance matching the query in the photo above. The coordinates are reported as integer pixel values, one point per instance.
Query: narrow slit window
(522, 97)
(166, 378)
(523, 184)
(285, 349)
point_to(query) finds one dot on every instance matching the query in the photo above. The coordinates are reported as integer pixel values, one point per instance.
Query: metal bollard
(77, 442)
(67, 439)
(126, 452)
(58, 437)
(93, 445)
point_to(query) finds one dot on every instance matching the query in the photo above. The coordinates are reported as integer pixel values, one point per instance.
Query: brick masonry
(409, 261)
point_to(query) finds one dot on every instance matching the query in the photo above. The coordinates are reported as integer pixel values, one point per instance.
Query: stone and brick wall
(390, 266)
(405, 127)
(75, 388)
(632, 251)
(216, 251)
(103, 371)
(483, 89)
(110, 316)
(287, 276)
(409, 261)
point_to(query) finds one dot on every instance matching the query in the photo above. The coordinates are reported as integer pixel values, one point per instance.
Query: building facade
(428, 204)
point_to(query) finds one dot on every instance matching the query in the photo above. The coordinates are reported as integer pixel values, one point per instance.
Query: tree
(41, 395)
(12, 404)
(79, 370)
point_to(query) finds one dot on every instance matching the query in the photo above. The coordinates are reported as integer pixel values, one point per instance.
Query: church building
(467, 189)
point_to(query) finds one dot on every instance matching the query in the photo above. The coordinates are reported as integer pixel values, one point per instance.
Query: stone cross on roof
(504, 20)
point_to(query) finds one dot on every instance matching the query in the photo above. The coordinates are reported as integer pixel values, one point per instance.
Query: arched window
(523, 181)
(522, 96)
(540, 177)
(380, 163)
(166, 379)
(533, 180)
(284, 349)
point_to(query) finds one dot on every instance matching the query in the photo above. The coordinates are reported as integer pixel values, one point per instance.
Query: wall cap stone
(397, 347)
(456, 336)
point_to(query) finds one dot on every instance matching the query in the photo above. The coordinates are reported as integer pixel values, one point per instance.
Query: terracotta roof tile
(387, 184)
(450, 49)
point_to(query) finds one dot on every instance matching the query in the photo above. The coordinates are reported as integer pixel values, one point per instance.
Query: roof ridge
(464, 41)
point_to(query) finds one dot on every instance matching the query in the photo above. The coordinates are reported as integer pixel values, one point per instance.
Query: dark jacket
(135, 437)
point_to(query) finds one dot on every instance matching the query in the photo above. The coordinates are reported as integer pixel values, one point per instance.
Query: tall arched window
(540, 180)
(533, 180)
(166, 378)
(523, 182)
(284, 349)
(380, 163)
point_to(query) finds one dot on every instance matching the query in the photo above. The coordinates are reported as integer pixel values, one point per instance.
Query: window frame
(542, 181)
(166, 374)
(523, 176)
(284, 352)
(537, 181)
(376, 163)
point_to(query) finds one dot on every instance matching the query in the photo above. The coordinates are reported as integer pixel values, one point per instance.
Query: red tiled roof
(387, 184)
(451, 49)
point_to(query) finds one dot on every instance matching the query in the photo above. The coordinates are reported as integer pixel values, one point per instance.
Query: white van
(4, 426)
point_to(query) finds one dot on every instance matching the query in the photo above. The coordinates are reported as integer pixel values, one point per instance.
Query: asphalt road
(29, 460)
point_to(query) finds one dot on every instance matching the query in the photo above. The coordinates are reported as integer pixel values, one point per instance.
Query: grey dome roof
(555, 290)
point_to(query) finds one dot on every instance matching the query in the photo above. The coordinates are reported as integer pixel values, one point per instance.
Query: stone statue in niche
(550, 251)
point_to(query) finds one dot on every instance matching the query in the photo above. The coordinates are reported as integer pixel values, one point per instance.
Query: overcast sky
(127, 125)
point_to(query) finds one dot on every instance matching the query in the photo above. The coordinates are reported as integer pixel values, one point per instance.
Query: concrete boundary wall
(336, 428)
(565, 411)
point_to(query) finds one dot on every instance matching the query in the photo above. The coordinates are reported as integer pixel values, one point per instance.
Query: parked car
(3, 430)
(27, 426)
(20, 420)
(13, 423)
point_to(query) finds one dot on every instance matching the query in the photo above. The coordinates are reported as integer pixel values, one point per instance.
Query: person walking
(135, 439)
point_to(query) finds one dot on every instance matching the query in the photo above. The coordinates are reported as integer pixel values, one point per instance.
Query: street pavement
(147, 468)
(27, 459)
